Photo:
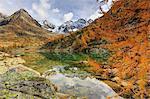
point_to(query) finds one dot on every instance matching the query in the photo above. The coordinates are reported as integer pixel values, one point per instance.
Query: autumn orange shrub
(94, 64)
(127, 28)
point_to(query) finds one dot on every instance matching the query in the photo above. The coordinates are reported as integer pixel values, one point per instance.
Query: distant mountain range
(22, 17)
(66, 27)
(74, 25)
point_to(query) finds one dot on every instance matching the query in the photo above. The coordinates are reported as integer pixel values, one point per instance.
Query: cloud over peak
(68, 16)
(41, 8)
(56, 10)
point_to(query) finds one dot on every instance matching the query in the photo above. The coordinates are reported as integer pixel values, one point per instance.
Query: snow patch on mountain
(67, 26)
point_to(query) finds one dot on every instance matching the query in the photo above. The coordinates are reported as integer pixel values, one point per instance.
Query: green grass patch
(44, 61)
(65, 58)
(102, 56)
(39, 62)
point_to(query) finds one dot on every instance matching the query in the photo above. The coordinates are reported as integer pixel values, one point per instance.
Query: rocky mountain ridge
(20, 29)
(21, 15)
(66, 27)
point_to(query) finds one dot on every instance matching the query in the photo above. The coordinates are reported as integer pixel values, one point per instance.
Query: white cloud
(68, 16)
(41, 8)
(4, 9)
(106, 7)
(56, 10)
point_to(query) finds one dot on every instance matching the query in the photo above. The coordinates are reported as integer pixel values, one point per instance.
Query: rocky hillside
(20, 82)
(125, 32)
(114, 26)
(20, 29)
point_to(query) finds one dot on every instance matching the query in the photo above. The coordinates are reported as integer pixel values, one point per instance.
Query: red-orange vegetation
(126, 27)
(94, 64)
(125, 30)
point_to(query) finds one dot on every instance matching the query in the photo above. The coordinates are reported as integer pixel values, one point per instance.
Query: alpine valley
(106, 58)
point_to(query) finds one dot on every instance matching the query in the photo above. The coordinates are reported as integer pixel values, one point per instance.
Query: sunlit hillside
(21, 30)
(124, 31)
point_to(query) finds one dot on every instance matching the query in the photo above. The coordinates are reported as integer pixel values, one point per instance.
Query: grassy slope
(21, 30)
(44, 61)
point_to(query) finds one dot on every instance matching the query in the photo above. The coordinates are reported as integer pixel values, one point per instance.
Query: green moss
(102, 56)
(6, 94)
(14, 76)
(65, 58)
(14, 85)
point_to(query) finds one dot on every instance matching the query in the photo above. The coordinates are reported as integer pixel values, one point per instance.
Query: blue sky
(55, 11)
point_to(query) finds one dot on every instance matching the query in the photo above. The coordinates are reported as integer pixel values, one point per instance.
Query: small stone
(117, 79)
(114, 70)
(2, 63)
(75, 68)
(123, 83)
(3, 69)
